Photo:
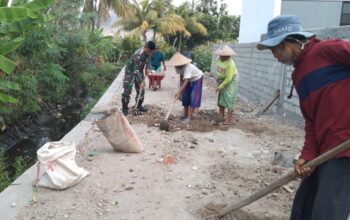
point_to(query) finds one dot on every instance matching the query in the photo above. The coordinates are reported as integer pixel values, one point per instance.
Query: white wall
(255, 16)
(314, 14)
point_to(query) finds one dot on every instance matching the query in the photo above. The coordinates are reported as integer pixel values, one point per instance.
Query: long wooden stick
(285, 179)
(167, 115)
(267, 106)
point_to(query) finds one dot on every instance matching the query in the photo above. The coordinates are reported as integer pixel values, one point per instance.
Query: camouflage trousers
(129, 81)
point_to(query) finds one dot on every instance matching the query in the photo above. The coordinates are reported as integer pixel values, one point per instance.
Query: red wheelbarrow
(155, 80)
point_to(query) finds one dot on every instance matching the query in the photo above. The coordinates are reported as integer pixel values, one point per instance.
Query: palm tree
(191, 21)
(154, 16)
(120, 7)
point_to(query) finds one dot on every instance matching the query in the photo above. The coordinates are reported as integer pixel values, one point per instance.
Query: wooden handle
(167, 115)
(287, 178)
(138, 99)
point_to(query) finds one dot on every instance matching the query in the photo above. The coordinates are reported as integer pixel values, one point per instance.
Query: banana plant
(14, 22)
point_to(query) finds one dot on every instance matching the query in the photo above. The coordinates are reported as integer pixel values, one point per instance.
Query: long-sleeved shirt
(227, 71)
(136, 64)
(322, 80)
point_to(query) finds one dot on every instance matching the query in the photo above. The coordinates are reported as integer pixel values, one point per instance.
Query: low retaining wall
(19, 194)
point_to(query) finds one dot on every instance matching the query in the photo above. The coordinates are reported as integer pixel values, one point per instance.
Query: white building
(255, 16)
(313, 14)
(318, 13)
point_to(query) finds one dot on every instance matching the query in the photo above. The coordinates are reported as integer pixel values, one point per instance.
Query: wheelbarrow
(155, 80)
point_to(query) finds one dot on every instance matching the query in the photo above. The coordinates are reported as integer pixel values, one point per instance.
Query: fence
(261, 74)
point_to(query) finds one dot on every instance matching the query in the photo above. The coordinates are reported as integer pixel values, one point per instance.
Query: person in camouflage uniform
(134, 75)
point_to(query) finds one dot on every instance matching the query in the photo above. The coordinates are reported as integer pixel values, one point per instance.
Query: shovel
(164, 125)
(134, 110)
(282, 181)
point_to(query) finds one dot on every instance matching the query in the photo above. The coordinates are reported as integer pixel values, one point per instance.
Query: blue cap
(281, 27)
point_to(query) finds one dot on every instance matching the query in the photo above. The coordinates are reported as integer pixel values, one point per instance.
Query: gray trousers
(325, 195)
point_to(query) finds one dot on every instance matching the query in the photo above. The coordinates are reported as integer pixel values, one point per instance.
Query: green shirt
(226, 71)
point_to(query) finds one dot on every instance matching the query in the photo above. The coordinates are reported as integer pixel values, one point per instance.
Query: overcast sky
(234, 7)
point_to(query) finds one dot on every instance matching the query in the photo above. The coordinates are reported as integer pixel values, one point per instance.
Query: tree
(220, 26)
(212, 7)
(192, 23)
(151, 16)
(229, 27)
(101, 10)
(14, 21)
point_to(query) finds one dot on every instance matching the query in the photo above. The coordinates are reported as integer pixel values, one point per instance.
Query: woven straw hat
(226, 51)
(178, 60)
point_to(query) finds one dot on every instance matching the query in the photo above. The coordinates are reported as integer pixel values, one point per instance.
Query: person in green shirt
(227, 78)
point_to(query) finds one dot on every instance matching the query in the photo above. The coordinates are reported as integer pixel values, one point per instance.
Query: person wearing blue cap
(321, 77)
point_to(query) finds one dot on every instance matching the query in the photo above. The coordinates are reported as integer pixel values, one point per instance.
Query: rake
(134, 110)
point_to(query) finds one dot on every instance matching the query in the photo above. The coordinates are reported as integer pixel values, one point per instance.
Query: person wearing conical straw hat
(227, 77)
(191, 81)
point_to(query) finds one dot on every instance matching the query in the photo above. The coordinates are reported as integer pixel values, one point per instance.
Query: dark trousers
(325, 195)
(129, 81)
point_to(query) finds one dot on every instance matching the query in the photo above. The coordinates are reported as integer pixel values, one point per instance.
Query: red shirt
(322, 80)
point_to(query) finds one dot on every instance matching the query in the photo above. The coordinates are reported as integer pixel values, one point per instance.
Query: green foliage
(166, 49)
(14, 22)
(87, 107)
(20, 166)
(209, 15)
(130, 43)
(202, 57)
(29, 100)
(52, 82)
(54, 56)
(212, 7)
(4, 177)
(228, 28)
(107, 71)
(96, 80)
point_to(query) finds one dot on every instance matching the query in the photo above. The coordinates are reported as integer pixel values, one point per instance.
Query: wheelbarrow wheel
(155, 86)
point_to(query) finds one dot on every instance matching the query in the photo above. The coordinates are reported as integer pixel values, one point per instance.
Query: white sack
(57, 159)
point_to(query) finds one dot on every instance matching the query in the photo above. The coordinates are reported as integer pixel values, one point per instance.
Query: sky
(234, 7)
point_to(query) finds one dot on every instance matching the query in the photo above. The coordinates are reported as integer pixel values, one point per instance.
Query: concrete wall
(254, 18)
(261, 74)
(314, 14)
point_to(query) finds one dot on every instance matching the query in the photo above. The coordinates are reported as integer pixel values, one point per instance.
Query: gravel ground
(187, 173)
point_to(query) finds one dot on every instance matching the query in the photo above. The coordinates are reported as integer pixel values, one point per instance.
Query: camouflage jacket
(136, 65)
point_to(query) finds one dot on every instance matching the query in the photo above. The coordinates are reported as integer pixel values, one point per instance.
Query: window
(345, 14)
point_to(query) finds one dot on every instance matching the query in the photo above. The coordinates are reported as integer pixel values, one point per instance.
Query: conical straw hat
(178, 60)
(226, 51)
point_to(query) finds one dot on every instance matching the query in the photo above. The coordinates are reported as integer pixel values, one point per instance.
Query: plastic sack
(117, 130)
(60, 170)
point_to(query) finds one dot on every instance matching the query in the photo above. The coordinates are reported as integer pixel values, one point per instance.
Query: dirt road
(183, 174)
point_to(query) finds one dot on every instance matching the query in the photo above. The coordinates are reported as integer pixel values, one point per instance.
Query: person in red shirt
(321, 77)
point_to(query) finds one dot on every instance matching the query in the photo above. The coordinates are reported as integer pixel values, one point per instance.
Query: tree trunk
(144, 37)
(180, 42)
(154, 34)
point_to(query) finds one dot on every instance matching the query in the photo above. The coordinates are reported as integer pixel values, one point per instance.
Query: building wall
(261, 74)
(254, 18)
(314, 14)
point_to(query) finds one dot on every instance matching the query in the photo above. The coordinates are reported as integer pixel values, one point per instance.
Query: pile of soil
(204, 120)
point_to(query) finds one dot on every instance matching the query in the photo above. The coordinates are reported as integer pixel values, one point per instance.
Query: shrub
(166, 49)
(4, 177)
(202, 57)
